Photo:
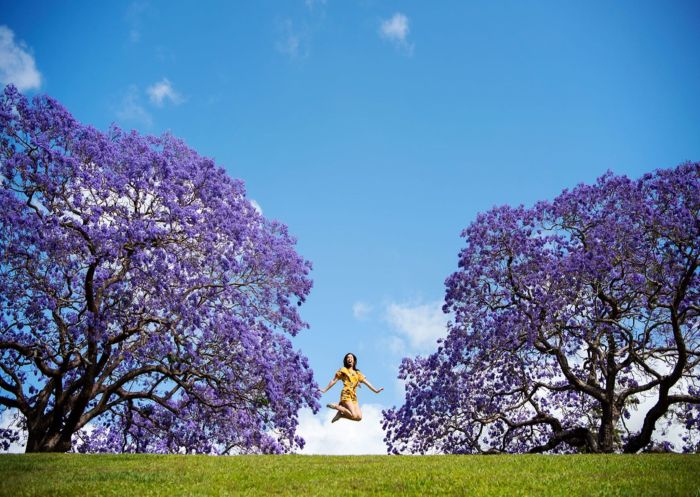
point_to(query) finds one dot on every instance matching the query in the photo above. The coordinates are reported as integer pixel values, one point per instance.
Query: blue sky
(377, 130)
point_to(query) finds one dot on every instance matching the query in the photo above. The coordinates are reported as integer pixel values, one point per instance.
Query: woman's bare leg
(342, 409)
(354, 408)
(346, 409)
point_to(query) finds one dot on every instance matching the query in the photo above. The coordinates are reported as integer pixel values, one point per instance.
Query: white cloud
(161, 91)
(396, 30)
(10, 419)
(256, 206)
(17, 64)
(396, 345)
(131, 110)
(343, 436)
(293, 42)
(675, 431)
(135, 13)
(400, 387)
(663, 431)
(313, 3)
(361, 310)
(321, 436)
(420, 324)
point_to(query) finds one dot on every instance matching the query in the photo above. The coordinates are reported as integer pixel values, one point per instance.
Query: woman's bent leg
(354, 408)
(342, 409)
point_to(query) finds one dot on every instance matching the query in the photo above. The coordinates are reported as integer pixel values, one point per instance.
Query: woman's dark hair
(345, 361)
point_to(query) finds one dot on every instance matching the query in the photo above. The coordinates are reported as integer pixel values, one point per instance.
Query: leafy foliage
(141, 292)
(564, 315)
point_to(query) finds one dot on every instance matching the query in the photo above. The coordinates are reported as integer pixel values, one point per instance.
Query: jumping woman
(351, 377)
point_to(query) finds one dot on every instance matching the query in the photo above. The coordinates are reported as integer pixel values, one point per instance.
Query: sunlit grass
(154, 475)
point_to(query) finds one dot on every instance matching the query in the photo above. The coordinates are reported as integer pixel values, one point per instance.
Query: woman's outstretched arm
(375, 390)
(330, 384)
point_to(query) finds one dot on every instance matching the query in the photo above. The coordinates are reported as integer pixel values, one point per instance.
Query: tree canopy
(144, 302)
(567, 317)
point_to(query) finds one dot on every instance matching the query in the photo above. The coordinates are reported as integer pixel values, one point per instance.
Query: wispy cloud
(396, 345)
(131, 110)
(17, 65)
(361, 310)
(343, 436)
(421, 325)
(311, 4)
(162, 91)
(293, 41)
(396, 30)
(135, 13)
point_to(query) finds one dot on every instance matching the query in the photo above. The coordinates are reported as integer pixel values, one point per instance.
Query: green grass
(352, 476)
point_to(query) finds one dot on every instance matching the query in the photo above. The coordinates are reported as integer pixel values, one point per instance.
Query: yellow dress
(351, 379)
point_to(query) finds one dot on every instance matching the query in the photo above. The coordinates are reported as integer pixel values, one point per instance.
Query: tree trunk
(606, 434)
(48, 442)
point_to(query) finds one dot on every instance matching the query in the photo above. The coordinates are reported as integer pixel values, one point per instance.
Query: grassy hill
(329, 476)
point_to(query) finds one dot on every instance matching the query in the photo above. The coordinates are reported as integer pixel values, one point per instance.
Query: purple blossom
(141, 295)
(563, 315)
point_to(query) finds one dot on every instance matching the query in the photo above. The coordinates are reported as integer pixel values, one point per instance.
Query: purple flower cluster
(145, 304)
(564, 315)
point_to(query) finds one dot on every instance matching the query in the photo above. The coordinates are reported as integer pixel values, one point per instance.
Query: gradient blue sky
(377, 130)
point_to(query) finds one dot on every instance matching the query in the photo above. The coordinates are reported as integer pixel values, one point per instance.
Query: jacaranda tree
(145, 305)
(567, 318)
